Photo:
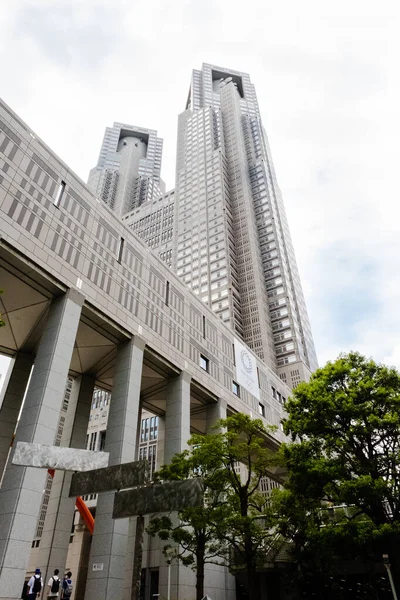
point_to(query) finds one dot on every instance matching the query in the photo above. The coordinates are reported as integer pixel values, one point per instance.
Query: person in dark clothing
(67, 586)
(35, 585)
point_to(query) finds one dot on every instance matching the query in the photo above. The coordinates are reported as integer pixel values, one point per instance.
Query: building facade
(153, 222)
(232, 244)
(85, 298)
(127, 173)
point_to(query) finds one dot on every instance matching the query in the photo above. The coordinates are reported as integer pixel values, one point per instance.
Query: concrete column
(218, 582)
(177, 416)
(109, 542)
(22, 488)
(80, 574)
(12, 402)
(177, 434)
(54, 542)
(214, 413)
(6, 379)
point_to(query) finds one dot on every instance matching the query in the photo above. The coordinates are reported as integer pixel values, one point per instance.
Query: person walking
(35, 585)
(54, 585)
(67, 586)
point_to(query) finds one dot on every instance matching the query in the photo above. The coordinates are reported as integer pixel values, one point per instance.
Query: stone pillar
(218, 582)
(54, 542)
(22, 488)
(4, 382)
(177, 434)
(214, 413)
(177, 416)
(109, 542)
(12, 402)
(82, 570)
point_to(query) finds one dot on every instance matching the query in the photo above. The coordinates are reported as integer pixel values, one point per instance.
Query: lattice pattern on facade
(154, 222)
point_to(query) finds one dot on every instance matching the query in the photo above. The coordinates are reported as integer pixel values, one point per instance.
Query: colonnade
(22, 488)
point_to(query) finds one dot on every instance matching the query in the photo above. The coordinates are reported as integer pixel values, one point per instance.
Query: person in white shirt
(35, 585)
(54, 585)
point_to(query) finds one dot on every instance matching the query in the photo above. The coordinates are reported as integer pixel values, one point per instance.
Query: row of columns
(22, 488)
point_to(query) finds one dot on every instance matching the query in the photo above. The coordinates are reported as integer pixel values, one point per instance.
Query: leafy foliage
(347, 419)
(231, 526)
(193, 533)
(342, 500)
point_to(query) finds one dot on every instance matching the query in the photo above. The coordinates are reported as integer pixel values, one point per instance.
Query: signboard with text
(246, 369)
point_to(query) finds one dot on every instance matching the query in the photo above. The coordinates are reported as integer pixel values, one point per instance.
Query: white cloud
(328, 89)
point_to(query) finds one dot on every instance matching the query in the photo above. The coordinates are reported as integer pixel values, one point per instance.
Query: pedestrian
(68, 585)
(35, 585)
(54, 585)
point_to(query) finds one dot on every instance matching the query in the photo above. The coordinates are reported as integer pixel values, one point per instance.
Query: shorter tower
(127, 173)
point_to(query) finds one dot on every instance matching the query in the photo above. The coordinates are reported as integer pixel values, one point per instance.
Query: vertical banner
(246, 369)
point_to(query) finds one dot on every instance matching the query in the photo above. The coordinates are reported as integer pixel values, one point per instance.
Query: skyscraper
(232, 242)
(128, 170)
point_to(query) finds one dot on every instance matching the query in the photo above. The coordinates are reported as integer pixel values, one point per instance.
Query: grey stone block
(116, 477)
(53, 457)
(165, 497)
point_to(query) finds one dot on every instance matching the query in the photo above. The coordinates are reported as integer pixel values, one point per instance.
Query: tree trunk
(200, 579)
(201, 550)
(253, 587)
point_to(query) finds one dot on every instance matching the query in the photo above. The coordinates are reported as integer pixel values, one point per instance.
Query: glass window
(204, 363)
(102, 440)
(261, 409)
(236, 388)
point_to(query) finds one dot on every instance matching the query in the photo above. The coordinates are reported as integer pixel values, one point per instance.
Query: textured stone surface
(177, 415)
(116, 477)
(110, 538)
(53, 457)
(162, 497)
(22, 488)
(55, 540)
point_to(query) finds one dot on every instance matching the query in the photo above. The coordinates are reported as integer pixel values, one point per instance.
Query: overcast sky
(327, 81)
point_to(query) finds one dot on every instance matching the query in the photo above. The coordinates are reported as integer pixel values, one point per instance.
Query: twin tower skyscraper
(223, 229)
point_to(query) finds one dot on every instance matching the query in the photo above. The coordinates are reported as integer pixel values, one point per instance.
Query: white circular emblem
(246, 361)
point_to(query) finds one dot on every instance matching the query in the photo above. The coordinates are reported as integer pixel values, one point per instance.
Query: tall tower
(232, 242)
(128, 170)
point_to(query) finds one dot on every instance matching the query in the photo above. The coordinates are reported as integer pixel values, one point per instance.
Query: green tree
(246, 528)
(2, 323)
(322, 539)
(345, 427)
(194, 532)
(232, 524)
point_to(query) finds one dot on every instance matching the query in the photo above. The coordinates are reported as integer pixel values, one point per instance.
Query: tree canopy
(342, 496)
(231, 525)
(347, 420)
